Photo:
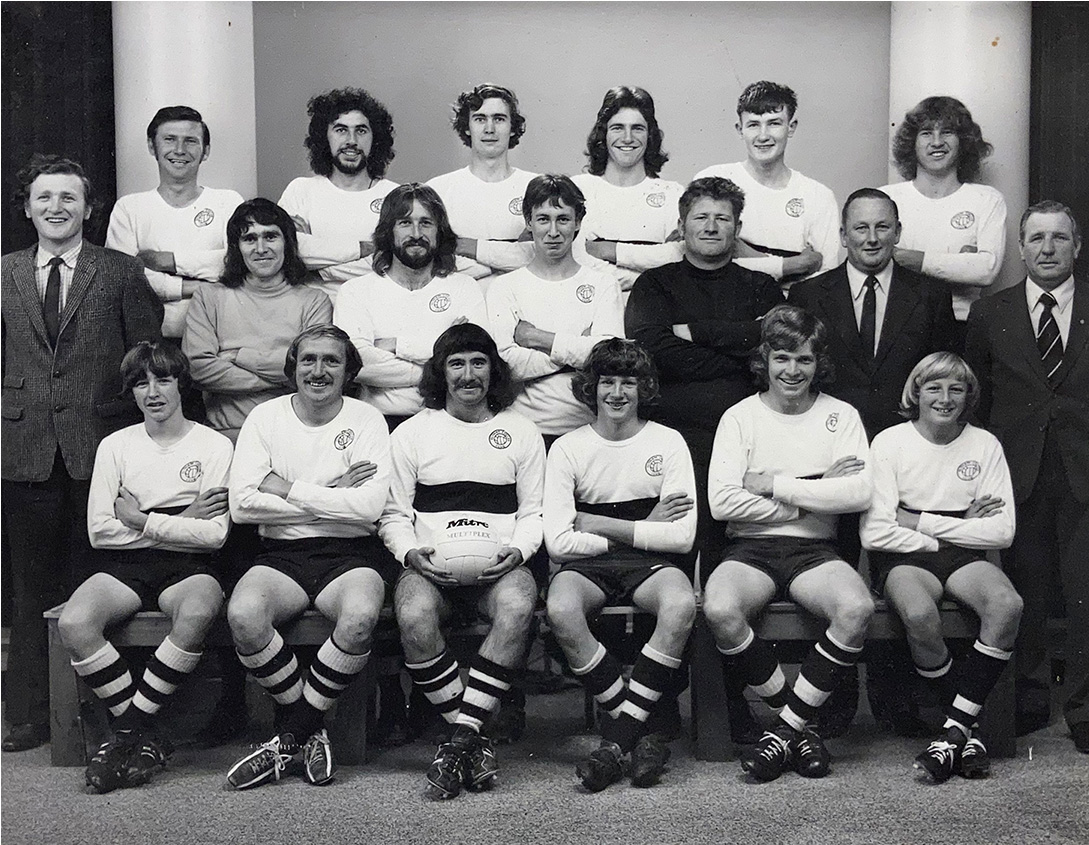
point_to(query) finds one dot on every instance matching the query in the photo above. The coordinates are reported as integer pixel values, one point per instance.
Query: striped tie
(1048, 340)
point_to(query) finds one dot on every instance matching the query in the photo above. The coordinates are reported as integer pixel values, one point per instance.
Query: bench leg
(998, 716)
(66, 744)
(710, 721)
(348, 733)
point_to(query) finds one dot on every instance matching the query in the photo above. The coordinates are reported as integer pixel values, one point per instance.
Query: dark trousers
(47, 533)
(1049, 564)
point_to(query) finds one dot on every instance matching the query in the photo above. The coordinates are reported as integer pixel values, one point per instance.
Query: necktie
(867, 325)
(51, 306)
(1048, 340)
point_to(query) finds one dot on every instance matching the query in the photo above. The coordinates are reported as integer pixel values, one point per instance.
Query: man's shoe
(940, 759)
(1080, 734)
(602, 768)
(108, 767)
(25, 736)
(479, 765)
(444, 777)
(264, 763)
(148, 756)
(648, 761)
(317, 756)
(973, 761)
(811, 758)
(771, 755)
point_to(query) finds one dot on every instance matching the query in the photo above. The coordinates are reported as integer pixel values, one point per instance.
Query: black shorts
(941, 564)
(148, 572)
(619, 574)
(315, 562)
(782, 558)
(460, 603)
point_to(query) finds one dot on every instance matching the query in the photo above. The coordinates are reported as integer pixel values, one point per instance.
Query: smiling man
(70, 311)
(465, 458)
(179, 229)
(787, 461)
(312, 470)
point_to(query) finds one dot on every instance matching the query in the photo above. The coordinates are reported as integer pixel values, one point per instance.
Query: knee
(76, 627)
(514, 611)
(1005, 607)
(678, 613)
(249, 620)
(565, 616)
(355, 626)
(726, 618)
(854, 614)
(920, 619)
(417, 621)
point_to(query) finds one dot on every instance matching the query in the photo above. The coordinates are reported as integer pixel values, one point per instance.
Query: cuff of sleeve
(639, 536)
(928, 525)
(166, 286)
(154, 526)
(783, 489)
(247, 359)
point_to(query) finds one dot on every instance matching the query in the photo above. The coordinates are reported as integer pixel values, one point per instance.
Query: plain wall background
(560, 58)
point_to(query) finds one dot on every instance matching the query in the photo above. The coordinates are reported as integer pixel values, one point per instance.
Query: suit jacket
(70, 397)
(1018, 403)
(918, 320)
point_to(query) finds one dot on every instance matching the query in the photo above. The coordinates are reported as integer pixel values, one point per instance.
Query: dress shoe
(25, 736)
(1080, 733)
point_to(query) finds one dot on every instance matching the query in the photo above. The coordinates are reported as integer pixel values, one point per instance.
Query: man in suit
(878, 331)
(70, 311)
(1029, 347)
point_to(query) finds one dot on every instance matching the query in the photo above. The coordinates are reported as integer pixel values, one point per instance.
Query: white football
(465, 547)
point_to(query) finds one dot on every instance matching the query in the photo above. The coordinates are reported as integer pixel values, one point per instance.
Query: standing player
(954, 228)
(157, 510)
(484, 200)
(466, 456)
(942, 496)
(790, 218)
(394, 314)
(179, 229)
(547, 316)
(619, 516)
(786, 462)
(350, 142)
(312, 470)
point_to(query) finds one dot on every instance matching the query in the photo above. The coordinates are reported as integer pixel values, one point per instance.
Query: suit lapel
(1022, 334)
(902, 300)
(1078, 336)
(841, 315)
(26, 282)
(81, 282)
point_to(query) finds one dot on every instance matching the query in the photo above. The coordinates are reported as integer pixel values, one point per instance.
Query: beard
(351, 169)
(414, 260)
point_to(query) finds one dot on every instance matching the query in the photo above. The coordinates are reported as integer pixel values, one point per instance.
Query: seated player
(312, 470)
(786, 461)
(942, 496)
(620, 518)
(156, 511)
(466, 456)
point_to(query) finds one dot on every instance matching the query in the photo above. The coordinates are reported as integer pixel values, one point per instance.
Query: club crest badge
(585, 293)
(656, 200)
(343, 440)
(515, 206)
(653, 466)
(191, 472)
(376, 205)
(795, 207)
(963, 220)
(204, 218)
(439, 302)
(832, 423)
(499, 439)
(968, 470)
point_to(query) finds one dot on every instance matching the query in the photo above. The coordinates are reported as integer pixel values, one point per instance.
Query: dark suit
(1044, 430)
(57, 406)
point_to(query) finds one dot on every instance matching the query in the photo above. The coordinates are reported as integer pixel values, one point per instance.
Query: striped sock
(276, 669)
(487, 683)
(106, 673)
(816, 679)
(163, 673)
(440, 682)
(939, 679)
(755, 661)
(330, 672)
(981, 671)
(649, 677)
(603, 677)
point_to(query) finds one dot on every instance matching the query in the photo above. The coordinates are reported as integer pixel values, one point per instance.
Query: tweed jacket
(71, 396)
(918, 320)
(1018, 403)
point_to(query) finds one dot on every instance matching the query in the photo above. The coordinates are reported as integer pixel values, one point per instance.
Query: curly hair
(324, 109)
(553, 189)
(616, 356)
(938, 365)
(952, 114)
(398, 205)
(470, 101)
(623, 97)
(352, 362)
(764, 97)
(788, 327)
(162, 359)
(266, 213)
(170, 113)
(47, 165)
(466, 337)
(716, 188)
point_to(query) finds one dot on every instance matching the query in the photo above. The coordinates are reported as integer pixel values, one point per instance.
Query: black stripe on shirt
(466, 496)
(633, 509)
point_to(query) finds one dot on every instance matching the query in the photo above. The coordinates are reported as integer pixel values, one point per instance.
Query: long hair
(466, 337)
(160, 358)
(952, 114)
(623, 97)
(470, 101)
(398, 205)
(616, 356)
(266, 213)
(790, 327)
(935, 366)
(352, 362)
(326, 108)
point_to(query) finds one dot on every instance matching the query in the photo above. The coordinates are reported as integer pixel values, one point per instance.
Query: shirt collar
(1064, 293)
(857, 279)
(69, 258)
